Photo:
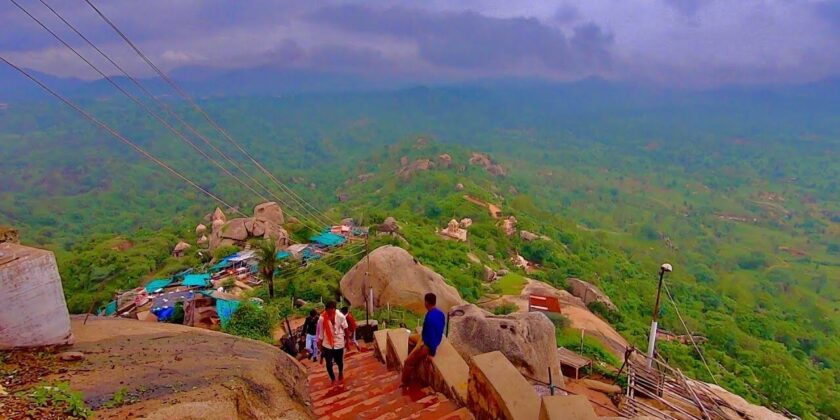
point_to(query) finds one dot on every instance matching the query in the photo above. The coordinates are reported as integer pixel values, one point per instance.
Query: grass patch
(511, 284)
(592, 348)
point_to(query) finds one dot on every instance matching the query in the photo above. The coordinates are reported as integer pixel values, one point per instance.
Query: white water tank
(32, 308)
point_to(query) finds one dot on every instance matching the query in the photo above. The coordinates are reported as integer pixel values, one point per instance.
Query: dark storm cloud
(673, 42)
(469, 40)
(686, 7)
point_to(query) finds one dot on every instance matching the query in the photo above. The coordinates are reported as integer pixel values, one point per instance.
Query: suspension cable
(118, 135)
(160, 103)
(135, 99)
(690, 334)
(206, 116)
(143, 105)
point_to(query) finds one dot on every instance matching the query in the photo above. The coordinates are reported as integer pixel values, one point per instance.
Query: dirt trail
(172, 371)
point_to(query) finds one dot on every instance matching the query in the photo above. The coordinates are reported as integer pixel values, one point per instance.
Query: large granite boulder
(266, 223)
(269, 212)
(397, 279)
(218, 214)
(526, 339)
(588, 293)
(231, 378)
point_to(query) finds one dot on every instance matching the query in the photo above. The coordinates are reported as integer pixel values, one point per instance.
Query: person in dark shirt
(310, 328)
(431, 336)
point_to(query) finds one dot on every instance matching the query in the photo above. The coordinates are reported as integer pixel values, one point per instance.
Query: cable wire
(690, 334)
(162, 105)
(117, 134)
(135, 99)
(207, 117)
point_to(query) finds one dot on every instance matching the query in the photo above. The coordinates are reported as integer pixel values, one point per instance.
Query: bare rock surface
(397, 279)
(589, 293)
(526, 339)
(171, 371)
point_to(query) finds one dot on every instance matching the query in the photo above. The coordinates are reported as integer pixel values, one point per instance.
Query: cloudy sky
(693, 43)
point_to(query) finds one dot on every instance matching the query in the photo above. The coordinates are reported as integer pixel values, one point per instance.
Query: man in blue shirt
(433, 325)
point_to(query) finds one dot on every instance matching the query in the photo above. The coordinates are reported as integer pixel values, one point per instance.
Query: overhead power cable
(690, 334)
(136, 100)
(118, 135)
(153, 113)
(210, 120)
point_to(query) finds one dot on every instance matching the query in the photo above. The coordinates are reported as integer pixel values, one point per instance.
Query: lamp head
(666, 268)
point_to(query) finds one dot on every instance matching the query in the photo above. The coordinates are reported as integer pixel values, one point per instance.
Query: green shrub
(600, 309)
(60, 395)
(560, 321)
(252, 321)
(505, 309)
(224, 251)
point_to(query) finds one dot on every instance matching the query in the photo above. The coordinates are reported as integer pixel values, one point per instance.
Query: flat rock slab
(168, 371)
(498, 391)
(566, 407)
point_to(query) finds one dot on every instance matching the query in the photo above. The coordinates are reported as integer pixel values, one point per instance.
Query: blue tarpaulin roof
(201, 280)
(283, 254)
(157, 284)
(220, 265)
(109, 309)
(225, 310)
(328, 239)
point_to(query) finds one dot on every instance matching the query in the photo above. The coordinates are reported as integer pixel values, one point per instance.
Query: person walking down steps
(310, 328)
(332, 326)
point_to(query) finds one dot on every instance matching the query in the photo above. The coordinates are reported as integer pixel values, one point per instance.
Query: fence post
(447, 325)
(550, 382)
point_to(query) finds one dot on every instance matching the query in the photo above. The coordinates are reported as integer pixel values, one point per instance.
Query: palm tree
(267, 255)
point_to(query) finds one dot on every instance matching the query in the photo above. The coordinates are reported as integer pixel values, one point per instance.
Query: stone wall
(32, 307)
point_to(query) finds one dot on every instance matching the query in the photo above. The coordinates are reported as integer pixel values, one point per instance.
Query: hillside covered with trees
(737, 189)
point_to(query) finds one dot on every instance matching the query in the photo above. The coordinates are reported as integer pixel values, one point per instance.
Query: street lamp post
(653, 325)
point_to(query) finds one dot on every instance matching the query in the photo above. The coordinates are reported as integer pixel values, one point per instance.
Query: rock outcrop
(589, 293)
(269, 212)
(201, 229)
(397, 279)
(489, 274)
(180, 249)
(444, 161)
(149, 361)
(528, 236)
(526, 339)
(267, 223)
(218, 214)
(509, 226)
(407, 170)
(389, 226)
(453, 230)
(483, 160)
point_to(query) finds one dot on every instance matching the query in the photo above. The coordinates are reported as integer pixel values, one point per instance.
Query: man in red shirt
(351, 331)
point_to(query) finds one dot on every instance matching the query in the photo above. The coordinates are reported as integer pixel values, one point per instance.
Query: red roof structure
(543, 303)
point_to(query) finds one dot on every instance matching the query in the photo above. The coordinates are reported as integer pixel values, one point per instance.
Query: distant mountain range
(270, 81)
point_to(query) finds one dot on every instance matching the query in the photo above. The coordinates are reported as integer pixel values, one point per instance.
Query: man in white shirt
(331, 327)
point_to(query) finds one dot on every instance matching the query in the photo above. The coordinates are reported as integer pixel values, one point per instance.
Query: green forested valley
(738, 189)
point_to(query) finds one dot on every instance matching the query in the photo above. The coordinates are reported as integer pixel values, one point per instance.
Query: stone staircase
(371, 391)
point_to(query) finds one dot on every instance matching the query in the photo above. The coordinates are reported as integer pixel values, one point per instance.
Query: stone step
(371, 391)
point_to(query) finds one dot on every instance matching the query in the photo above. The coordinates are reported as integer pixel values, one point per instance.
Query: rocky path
(370, 391)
